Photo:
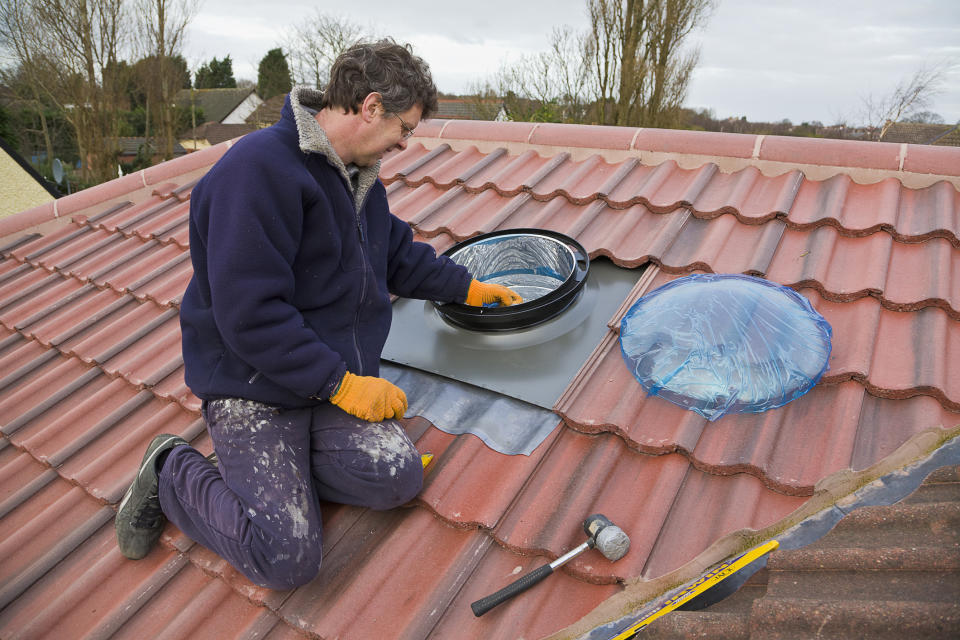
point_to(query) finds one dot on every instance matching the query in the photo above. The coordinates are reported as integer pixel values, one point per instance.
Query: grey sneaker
(139, 519)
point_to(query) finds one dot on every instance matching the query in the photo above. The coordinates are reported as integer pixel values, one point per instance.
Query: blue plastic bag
(725, 343)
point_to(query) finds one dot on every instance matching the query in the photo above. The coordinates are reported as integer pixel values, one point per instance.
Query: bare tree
(640, 68)
(604, 46)
(17, 38)
(567, 55)
(631, 67)
(71, 48)
(911, 96)
(160, 36)
(313, 45)
(549, 86)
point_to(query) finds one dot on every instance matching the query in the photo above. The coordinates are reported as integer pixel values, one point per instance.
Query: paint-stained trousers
(259, 508)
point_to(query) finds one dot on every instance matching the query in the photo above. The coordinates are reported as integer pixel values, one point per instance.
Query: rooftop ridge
(865, 162)
(798, 200)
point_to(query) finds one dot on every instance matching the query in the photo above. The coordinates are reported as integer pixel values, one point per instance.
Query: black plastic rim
(526, 314)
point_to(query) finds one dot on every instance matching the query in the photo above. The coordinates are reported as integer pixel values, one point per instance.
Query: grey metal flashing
(886, 490)
(534, 365)
(506, 425)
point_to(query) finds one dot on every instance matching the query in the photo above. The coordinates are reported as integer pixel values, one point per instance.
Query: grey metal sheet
(534, 364)
(506, 425)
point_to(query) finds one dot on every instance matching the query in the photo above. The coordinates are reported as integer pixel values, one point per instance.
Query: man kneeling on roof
(295, 254)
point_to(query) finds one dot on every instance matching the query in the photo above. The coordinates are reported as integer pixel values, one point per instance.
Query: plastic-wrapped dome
(725, 343)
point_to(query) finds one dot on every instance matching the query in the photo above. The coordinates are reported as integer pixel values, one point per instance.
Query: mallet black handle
(483, 605)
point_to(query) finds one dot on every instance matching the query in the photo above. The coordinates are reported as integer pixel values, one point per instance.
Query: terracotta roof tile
(911, 215)
(90, 370)
(928, 159)
(732, 145)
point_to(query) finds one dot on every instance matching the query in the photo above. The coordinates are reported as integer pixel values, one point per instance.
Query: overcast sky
(766, 60)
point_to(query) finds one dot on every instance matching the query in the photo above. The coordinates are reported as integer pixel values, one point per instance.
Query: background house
(213, 133)
(267, 113)
(470, 109)
(226, 106)
(130, 148)
(21, 187)
(947, 135)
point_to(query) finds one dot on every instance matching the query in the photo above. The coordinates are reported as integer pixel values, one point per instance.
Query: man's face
(388, 131)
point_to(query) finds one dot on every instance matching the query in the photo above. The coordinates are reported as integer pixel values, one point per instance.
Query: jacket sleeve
(255, 221)
(414, 270)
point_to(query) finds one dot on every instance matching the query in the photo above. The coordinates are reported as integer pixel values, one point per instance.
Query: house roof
(217, 132)
(90, 370)
(468, 109)
(267, 112)
(921, 133)
(131, 146)
(217, 104)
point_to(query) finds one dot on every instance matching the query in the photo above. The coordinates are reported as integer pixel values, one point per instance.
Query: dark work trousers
(260, 507)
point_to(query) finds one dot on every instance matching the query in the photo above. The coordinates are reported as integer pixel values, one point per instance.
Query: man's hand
(368, 398)
(481, 293)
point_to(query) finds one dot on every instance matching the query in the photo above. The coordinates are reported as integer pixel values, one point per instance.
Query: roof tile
(474, 465)
(732, 145)
(841, 153)
(92, 590)
(923, 158)
(911, 215)
(475, 130)
(601, 136)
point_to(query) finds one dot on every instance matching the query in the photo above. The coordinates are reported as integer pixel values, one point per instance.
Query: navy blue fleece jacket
(291, 282)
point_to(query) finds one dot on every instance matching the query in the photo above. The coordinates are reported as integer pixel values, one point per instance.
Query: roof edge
(119, 187)
(916, 166)
(835, 489)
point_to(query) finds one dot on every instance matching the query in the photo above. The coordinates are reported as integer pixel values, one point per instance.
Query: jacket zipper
(363, 286)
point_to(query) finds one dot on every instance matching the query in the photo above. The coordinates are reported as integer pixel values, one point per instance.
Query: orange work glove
(481, 293)
(368, 398)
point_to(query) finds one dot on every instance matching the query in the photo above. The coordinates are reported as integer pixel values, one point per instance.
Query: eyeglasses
(407, 129)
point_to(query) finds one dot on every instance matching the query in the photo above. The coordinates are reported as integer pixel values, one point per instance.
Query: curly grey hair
(390, 69)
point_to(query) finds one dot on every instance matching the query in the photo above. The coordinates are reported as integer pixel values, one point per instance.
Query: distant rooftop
(217, 104)
(469, 109)
(945, 135)
(267, 113)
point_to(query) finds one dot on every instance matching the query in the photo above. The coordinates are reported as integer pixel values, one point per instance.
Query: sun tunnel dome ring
(546, 268)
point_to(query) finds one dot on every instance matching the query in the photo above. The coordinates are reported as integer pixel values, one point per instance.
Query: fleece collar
(305, 102)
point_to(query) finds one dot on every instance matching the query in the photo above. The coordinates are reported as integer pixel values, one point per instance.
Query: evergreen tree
(182, 73)
(6, 128)
(273, 75)
(216, 74)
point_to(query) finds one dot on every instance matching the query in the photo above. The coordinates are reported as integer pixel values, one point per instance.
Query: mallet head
(606, 537)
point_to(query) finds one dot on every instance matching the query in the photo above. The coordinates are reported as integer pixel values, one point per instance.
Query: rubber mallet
(606, 537)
